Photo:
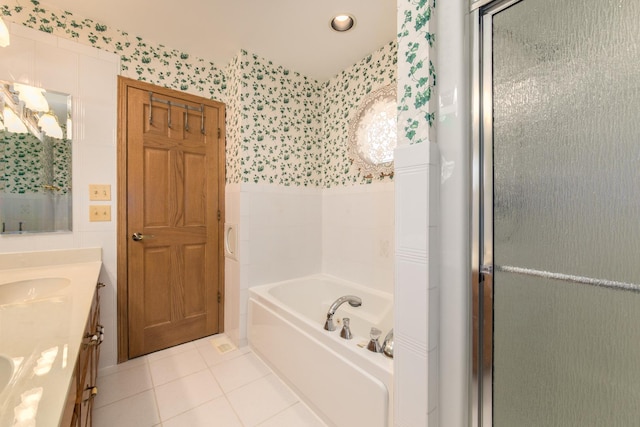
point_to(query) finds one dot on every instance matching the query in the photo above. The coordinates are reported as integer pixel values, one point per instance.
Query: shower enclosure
(556, 258)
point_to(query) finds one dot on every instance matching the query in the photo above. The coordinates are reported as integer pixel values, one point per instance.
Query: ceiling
(292, 33)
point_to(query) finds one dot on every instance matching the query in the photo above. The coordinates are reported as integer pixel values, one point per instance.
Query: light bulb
(13, 122)
(49, 125)
(32, 97)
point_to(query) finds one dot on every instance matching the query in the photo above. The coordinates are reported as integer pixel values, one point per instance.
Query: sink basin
(25, 291)
(6, 371)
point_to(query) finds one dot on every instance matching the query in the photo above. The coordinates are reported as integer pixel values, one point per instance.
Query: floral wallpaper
(416, 71)
(26, 163)
(282, 128)
(341, 97)
(153, 63)
(234, 113)
(61, 157)
(20, 162)
(280, 124)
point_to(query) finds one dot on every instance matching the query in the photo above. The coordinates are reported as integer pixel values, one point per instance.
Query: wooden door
(175, 184)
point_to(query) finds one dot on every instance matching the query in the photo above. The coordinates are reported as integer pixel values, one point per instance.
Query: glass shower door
(562, 191)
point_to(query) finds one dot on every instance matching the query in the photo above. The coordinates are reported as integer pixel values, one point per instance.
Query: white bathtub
(345, 384)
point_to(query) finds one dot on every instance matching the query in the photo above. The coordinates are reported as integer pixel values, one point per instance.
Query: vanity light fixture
(49, 125)
(32, 97)
(12, 122)
(343, 22)
(4, 34)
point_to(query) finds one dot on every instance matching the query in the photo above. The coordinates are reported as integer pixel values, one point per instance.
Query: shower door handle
(486, 269)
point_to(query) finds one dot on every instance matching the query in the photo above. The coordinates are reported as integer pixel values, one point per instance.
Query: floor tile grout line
(119, 369)
(171, 351)
(246, 384)
(185, 376)
(181, 376)
(234, 410)
(129, 396)
(233, 355)
(191, 409)
(278, 413)
(155, 399)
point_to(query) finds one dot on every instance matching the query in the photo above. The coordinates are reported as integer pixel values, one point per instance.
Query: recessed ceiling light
(342, 22)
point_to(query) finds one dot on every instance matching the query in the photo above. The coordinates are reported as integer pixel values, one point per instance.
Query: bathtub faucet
(353, 302)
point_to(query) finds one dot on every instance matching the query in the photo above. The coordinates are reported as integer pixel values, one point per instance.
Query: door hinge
(219, 297)
(219, 133)
(219, 215)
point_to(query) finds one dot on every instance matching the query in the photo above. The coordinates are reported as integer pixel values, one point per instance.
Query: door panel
(195, 174)
(156, 197)
(173, 175)
(157, 289)
(194, 262)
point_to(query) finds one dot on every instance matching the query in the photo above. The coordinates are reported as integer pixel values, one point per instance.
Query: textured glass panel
(566, 200)
(565, 354)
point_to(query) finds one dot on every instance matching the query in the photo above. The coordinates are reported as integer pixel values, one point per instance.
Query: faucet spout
(353, 301)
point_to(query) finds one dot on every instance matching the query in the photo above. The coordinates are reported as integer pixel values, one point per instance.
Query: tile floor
(195, 385)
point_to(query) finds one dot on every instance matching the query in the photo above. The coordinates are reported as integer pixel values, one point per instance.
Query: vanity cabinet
(83, 389)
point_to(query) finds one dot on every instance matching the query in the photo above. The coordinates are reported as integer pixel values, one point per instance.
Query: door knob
(139, 236)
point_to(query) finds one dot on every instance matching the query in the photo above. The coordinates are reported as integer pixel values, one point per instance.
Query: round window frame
(364, 165)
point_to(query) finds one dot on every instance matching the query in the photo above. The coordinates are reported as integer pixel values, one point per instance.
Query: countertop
(42, 333)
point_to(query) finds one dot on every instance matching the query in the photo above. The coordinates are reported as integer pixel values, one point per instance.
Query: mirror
(35, 159)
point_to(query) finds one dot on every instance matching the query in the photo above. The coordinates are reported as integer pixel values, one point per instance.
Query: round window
(373, 132)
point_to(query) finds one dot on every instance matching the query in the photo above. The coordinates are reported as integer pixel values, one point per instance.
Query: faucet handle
(374, 345)
(375, 333)
(346, 331)
(387, 345)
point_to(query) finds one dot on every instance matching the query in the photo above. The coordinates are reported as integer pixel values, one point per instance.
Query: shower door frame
(482, 304)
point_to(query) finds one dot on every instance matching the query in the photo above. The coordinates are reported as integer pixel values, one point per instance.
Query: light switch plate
(100, 192)
(99, 213)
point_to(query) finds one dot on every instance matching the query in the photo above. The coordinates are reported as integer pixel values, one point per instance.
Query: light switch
(100, 192)
(99, 213)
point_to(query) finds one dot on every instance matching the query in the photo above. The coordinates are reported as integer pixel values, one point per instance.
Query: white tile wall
(417, 284)
(288, 232)
(279, 238)
(90, 76)
(358, 234)
(232, 267)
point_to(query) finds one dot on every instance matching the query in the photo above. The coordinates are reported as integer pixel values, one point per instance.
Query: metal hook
(202, 119)
(150, 108)
(169, 114)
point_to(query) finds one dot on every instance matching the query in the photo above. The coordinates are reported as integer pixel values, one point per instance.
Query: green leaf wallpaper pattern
(27, 164)
(416, 71)
(153, 63)
(280, 124)
(282, 128)
(342, 96)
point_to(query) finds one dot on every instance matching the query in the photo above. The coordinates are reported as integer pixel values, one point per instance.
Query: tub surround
(358, 234)
(289, 232)
(43, 335)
